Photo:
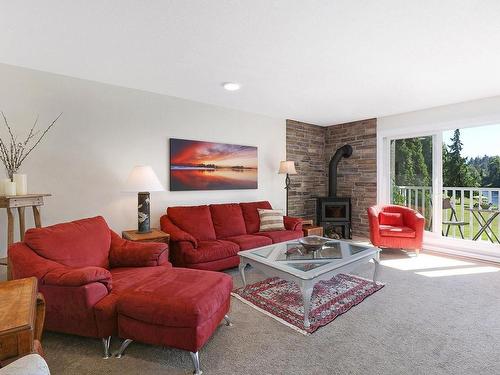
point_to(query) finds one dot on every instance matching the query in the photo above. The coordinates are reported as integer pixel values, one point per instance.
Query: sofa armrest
(374, 225)
(176, 233)
(292, 223)
(415, 221)
(66, 276)
(26, 263)
(124, 253)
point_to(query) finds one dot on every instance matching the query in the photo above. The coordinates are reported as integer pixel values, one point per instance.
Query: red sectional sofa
(209, 237)
(96, 284)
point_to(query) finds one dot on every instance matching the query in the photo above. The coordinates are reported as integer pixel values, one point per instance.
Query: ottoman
(181, 309)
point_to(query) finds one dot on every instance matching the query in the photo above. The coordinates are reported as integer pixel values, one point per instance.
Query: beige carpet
(436, 315)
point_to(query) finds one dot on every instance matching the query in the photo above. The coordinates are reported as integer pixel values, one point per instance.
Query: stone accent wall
(312, 146)
(357, 175)
(305, 144)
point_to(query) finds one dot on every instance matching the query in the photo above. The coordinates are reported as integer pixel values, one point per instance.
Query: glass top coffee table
(290, 261)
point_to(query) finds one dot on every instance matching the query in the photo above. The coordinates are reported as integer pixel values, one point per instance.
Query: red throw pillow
(394, 219)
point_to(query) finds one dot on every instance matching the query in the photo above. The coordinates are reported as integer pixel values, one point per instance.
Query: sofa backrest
(251, 214)
(228, 220)
(79, 243)
(196, 220)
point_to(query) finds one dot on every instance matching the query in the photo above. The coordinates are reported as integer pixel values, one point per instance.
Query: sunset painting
(197, 165)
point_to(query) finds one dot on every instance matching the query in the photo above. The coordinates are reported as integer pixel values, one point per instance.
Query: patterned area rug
(282, 300)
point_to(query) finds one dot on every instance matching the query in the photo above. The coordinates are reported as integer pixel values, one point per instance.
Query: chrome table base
(105, 343)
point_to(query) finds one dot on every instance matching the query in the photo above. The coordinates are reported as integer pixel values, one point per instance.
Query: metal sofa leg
(228, 321)
(106, 343)
(196, 363)
(123, 346)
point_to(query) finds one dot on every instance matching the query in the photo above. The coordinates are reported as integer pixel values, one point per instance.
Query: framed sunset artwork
(198, 165)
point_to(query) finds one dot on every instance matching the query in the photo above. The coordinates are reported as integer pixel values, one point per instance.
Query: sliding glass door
(411, 172)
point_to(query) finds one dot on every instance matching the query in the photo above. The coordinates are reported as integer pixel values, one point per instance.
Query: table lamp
(288, 168)
(141, 180)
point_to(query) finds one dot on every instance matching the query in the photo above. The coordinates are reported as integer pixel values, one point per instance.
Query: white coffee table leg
(306, 290)
(242, 272)
(377, 265)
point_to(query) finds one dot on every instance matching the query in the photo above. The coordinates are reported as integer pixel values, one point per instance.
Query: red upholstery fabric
(391, 218)
(176, 233)
(392, 231)
(182, 298)
(79, 243)
(292, 223)
(228, 220)
(251, 215)
(195, 220)
(26, 263)
(65, 276)
(382, 237)
(70, 309)
(125, 253)
(250, 241)
(208, 251)
(282, 235)
(123, 279)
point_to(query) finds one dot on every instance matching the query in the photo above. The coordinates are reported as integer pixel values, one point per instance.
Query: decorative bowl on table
(486, 206)
(311, 244)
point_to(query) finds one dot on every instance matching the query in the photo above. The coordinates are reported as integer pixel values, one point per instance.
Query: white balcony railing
(462, 200)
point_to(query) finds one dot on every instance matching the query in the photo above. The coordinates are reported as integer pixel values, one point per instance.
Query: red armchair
(74, 264)
(96, 284)
(397, 227)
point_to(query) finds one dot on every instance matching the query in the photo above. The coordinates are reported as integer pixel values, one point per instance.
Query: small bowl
(311, 244)
(485, 206)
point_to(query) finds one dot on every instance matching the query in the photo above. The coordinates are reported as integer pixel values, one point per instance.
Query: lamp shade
(142, 178)
(287, 167)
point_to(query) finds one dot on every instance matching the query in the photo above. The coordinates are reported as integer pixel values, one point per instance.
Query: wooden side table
(20, 202)
(22, 313)
(155, 235)
(311, 230)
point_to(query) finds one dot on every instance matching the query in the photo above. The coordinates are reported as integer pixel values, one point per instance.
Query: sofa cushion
(392, 231)
(196, 220)
(179, 298)
(391, 218)
(127, 278)
(78, 243)
(208, 251)
(251, 215)
(228, 220)
(249, 241)
(282, 235)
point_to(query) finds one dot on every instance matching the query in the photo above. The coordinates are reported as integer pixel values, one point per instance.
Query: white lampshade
(142, 178)
(287, 167)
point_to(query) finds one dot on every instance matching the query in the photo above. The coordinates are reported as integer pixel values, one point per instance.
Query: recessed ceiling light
(231, 86)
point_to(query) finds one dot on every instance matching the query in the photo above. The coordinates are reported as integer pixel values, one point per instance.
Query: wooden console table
(22, 314)
(20, 202)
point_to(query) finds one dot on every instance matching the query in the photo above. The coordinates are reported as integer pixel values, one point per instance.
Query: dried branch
(13, 155)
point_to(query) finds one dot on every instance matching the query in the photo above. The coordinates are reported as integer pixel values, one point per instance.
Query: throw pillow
(271, 220)
(394, 219)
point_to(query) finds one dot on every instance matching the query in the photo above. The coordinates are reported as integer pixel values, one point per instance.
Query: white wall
(105, 130)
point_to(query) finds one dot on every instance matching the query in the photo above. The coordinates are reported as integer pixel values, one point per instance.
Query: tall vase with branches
(13, 152)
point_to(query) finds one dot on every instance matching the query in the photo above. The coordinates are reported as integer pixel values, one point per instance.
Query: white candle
(10, 187)
(21, 181)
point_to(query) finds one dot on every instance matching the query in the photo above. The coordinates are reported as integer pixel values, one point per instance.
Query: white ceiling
(323, 62)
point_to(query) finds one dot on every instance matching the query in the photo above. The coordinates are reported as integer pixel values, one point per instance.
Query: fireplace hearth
(334, 213)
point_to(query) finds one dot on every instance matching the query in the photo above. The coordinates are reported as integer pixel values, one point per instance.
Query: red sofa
(96, 284)
(396, 227)
(209, 237)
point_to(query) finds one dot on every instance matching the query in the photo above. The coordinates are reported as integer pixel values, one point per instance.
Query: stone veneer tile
(312, 146)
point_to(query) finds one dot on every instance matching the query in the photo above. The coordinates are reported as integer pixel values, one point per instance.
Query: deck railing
(462, 199)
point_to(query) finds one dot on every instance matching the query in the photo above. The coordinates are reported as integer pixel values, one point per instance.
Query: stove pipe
(343, 152)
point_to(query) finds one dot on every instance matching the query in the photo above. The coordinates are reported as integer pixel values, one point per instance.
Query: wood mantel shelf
(20, 202)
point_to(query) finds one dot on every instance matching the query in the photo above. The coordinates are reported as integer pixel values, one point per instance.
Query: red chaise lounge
(209, 237)
(396, 227)
(96, 284)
